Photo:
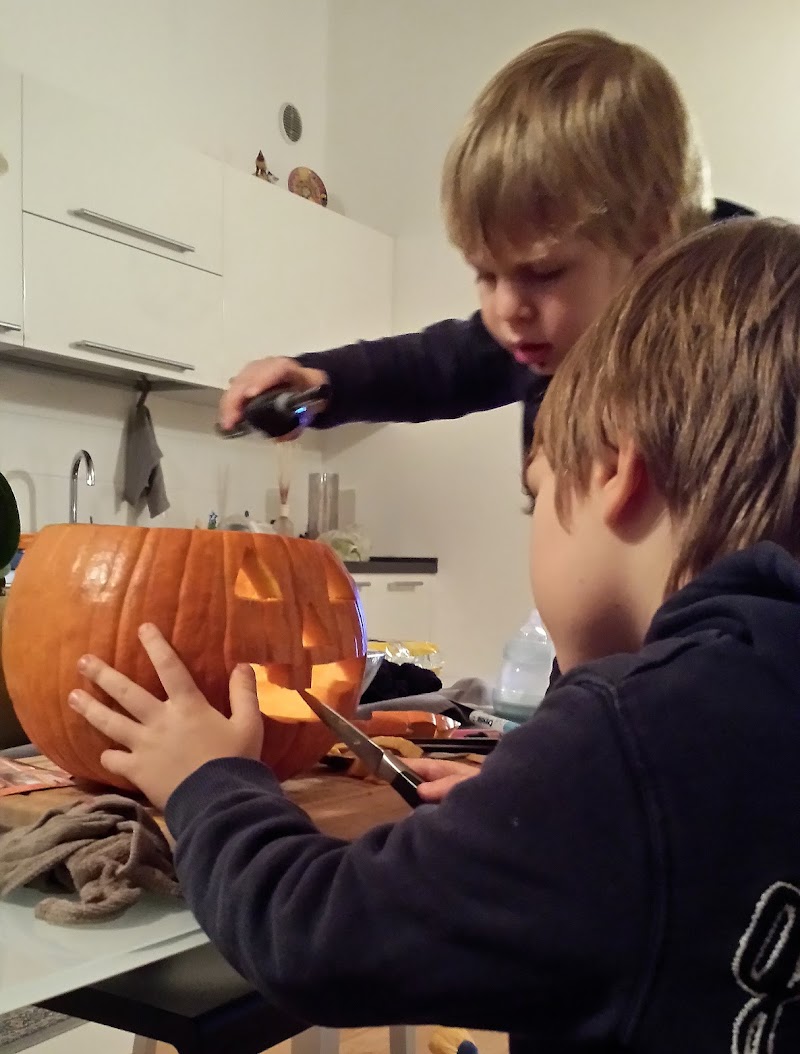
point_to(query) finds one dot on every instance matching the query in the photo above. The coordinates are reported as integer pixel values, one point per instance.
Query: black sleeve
(521, 903)
(727, 210)
(447, 370)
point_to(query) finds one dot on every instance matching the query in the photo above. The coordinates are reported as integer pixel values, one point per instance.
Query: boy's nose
(509, 303)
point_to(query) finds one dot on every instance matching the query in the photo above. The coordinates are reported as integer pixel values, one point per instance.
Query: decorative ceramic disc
(306, 183)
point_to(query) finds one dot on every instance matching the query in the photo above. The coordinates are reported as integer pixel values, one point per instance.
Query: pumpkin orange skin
(286, 606)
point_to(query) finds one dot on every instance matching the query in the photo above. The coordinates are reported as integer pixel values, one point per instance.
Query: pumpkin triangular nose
(255, 581)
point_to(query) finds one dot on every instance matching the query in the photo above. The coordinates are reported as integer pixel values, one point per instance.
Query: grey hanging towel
(144, 478)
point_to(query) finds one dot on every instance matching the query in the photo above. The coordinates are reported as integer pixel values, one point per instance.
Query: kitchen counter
(395, 565)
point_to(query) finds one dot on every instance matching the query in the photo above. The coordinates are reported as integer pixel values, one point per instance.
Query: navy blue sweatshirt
(622, 875)
(447, 370)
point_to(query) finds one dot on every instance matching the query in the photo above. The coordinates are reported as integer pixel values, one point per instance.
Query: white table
(39, 960)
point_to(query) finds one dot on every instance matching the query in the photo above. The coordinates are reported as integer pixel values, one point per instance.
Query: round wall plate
(306, 183)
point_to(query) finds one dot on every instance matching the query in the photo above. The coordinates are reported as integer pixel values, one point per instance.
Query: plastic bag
(350, 544)
(420, 653)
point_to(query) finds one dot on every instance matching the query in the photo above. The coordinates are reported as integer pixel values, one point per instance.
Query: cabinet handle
(129, 228)
(363, 585)
(10, 327)
(123, 353)
(403, 587)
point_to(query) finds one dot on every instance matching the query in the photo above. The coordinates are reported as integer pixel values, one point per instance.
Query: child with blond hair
(577, 160)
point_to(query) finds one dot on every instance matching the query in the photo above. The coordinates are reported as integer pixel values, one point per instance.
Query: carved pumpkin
(286, 606)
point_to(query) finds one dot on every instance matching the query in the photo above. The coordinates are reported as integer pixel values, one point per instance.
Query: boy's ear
(623, 480)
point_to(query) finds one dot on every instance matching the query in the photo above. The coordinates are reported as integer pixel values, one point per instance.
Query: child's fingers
(246, 715)
(116, 726)
(436, 790)
(118, 763)
(254, 378)
(174, 676)
(440, 776)
(243, 687)
(436, 769)
(131, 697)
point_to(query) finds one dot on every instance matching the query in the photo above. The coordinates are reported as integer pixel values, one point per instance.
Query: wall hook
(144, 387)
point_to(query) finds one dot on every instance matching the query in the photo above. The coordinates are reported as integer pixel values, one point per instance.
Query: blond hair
(579, 133)
(697, 363)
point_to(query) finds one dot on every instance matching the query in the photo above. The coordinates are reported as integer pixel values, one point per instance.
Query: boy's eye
(485, 278)
(543, 276)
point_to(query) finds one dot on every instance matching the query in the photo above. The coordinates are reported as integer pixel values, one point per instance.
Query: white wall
(401, 76)
(397, 76)
(44, 420)
(210, 73)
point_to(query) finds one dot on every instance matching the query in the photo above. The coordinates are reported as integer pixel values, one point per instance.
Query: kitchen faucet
(82, 455)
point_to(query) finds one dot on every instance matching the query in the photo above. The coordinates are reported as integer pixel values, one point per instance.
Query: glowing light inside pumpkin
(331, 681)
(255, 581)
(313, 633)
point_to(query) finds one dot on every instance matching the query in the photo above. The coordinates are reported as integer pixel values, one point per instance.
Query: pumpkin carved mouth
(329, 681)
(286, 606)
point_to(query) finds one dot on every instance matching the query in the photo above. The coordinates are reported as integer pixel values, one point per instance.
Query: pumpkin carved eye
(255, 581)
(286, 606)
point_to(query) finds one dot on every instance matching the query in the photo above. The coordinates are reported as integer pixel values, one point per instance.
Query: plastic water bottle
(525, 673)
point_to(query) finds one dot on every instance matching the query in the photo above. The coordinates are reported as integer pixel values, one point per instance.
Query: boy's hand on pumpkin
(440, 776)
(167, 741)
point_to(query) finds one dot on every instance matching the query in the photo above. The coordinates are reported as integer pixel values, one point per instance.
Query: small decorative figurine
(262, 169)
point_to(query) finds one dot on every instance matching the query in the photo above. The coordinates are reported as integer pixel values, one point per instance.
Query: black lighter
(279, 411)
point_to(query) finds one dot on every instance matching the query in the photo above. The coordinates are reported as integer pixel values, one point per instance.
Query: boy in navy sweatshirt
(576, 160)
(624, 872)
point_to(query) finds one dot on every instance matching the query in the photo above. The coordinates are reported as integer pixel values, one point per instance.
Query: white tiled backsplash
(45, 418)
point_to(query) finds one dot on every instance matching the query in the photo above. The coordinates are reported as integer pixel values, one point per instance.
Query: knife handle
(406, 783)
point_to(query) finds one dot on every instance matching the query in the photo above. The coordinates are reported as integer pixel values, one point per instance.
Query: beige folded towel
(108, 850)
(144, 478)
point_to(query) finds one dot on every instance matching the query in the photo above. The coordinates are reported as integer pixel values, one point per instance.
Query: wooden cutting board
(340, 806)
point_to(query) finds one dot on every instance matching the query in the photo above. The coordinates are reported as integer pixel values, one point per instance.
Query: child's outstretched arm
(522, 903)
(450, 369)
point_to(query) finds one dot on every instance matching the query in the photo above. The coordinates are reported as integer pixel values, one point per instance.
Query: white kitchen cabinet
(398, 606)
(10, 208)
(109, 174)
(94, 300)
(298, 277)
